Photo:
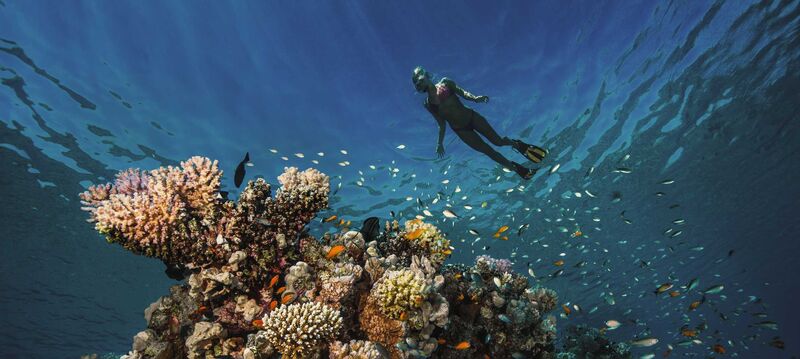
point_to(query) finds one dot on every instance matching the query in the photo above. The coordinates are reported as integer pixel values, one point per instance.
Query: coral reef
(259, 286)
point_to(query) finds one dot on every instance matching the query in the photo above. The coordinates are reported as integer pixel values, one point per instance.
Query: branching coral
(300, 330)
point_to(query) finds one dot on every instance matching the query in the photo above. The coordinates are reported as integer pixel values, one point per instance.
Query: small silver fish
(714, 289)
(646, 342)
(504, 318)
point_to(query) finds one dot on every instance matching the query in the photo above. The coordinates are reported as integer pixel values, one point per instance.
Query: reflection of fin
(524, 172)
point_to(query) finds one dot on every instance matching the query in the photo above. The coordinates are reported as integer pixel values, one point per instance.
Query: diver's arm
(464, 93)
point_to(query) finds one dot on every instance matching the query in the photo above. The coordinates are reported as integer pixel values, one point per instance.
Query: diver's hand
(482, 99)
(440, 150)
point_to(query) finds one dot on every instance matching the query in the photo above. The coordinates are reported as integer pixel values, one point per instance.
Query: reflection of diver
(467, 123)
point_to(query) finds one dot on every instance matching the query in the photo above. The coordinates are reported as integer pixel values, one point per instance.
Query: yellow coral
(429, 238)
(399, 293)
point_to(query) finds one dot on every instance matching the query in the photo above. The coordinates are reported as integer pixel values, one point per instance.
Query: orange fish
(415, 234)
(288, 297)
(460, 296)
(341, 222)
(718, 348)
(458, 276)
(566, 309)
(273, 281)
(502, 229)
(329, 219)
(577, 233)
(348, 223)
(403, 316)
(281, 289)
(461, 346)
(689, 333)
(694, 305)
(674, 293)
(273, 304)
(334, 251)
(559, 263)
(505, 238)
(258, 323)
(441, 341)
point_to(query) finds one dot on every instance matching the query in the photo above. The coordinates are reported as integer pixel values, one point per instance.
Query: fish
(718, 348)
(714, 289)
(504, 318)
(176, 271)
(329, 219)
(273, 304)
(767, 324)
(522, 229)
(281, 290)
(497, 282)
(559, 263)
(689, 333)
(334, 251)
(580, 264)
(612, 324)
(663, 288)
(415, 234)
(692, 284)
(427, 213)
(674, 293)
(502, 229)
(400, 147)
(449, 214)
(273, 281)
(238, 176)
(557, 273)
(623, 170)
(555, 168)
(441, 341)
(370, 229)
(288, 297)
(484, 204)
(675, 234)
(258, 323)
(462, 346)
(531, 273)
(777, 343)
(667, 181)
(577, 233)
(473, 232)
(566, 309)
(403, 316)
(646, 342)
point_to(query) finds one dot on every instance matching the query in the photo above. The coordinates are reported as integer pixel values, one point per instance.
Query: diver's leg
(481, 125)
(472, 139)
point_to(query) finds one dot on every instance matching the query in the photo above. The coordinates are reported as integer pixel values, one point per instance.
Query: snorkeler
(468, 124)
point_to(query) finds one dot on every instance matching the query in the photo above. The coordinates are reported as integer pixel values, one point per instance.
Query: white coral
(300, 330)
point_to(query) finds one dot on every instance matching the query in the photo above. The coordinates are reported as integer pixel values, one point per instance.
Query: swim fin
(534, 153)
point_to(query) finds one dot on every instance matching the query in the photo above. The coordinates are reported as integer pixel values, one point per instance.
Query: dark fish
(730, 252)
(370, 229)
(674, 206)
(391, 213)
(176, 271)
(224, 195)
(239, 175)
(557, 273)
(522, 228)
(486, 248)
(580, 264)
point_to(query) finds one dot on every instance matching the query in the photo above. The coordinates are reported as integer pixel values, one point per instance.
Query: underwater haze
(672, 129)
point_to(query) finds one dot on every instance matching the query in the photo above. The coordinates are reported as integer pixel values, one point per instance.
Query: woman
(442, 103)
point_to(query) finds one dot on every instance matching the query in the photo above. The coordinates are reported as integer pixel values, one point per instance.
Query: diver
(442, 103)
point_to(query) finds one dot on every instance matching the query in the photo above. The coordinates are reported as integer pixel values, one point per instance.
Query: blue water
(703, 93)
